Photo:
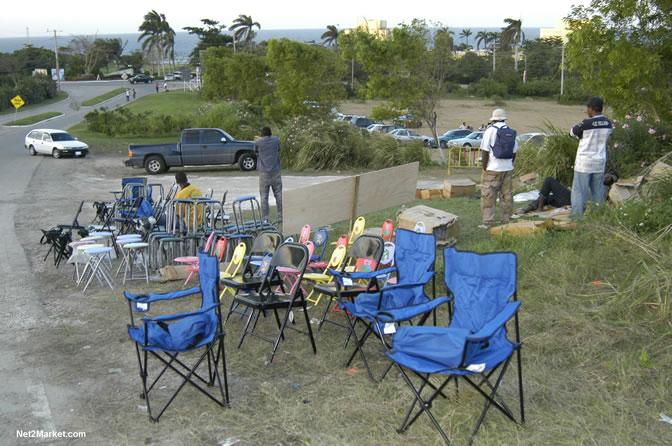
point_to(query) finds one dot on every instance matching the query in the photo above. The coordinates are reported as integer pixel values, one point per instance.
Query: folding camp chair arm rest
(175, 317)
(406, 313)
(489, 329)
(162, 296)
(340, 275)
(422, 282)
(386, 271)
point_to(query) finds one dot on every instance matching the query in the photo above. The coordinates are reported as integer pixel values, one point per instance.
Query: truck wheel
(247, 162)
(31, 150)
(155, 164)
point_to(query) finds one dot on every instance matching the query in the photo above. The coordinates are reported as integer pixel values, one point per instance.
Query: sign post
(17, 102)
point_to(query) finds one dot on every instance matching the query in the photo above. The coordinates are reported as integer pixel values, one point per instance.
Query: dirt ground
(526, 115)
(88, 364)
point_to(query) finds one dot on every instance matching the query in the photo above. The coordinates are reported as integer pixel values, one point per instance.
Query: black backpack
(504, 143)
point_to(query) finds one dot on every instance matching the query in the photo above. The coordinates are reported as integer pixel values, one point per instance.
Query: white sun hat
(498, 115)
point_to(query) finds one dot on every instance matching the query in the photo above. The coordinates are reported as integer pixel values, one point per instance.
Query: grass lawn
(58, 98)
(29, 120)
(174, 103)
(103, 97)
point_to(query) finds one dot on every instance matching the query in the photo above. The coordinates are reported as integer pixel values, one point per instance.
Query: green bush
(636, 142)
(489, 88)
(122, 121)
(554, 158)
(35, 89)
(574, 93)
(539, 88)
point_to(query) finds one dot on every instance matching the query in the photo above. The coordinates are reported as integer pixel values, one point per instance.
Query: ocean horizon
(185, 42)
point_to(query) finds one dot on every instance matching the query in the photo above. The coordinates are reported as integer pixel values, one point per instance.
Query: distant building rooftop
(560, 31)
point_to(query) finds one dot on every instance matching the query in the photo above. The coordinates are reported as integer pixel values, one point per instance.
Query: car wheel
(247, 162)
(466, 144)
(32, 151)
(56, 153)
(442, 144)
(155, 164)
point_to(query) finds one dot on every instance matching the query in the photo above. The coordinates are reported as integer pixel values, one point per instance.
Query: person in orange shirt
(187, 191)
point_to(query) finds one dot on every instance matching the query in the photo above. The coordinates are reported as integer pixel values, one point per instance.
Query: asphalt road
(23, 394)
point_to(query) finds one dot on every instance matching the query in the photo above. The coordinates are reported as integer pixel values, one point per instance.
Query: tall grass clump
(554, 158)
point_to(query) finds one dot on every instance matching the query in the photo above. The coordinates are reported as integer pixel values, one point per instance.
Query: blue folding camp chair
(166, 337)
(414, 258)
(475, 346)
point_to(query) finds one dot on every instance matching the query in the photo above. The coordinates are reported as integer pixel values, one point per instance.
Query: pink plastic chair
(289, 273)
(192, 261)
(304, 236)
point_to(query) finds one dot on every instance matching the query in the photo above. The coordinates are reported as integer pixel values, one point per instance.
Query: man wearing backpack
(498, 150)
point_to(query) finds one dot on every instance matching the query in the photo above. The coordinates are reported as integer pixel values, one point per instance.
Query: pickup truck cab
(197, 147)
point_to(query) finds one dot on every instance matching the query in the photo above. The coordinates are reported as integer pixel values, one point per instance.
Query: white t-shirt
(496, 164)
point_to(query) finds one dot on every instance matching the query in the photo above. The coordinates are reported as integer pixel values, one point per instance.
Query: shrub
(554, 158)
(488, 87)
(538, 88)
(636, 142)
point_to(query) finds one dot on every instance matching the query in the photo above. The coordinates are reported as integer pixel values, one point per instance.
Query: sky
(77, 17)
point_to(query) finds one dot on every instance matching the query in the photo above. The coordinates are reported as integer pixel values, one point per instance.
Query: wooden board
(386, 188)
(317, 205)
(334, 201)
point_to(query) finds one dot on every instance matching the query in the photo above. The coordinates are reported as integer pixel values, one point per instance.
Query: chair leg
(310, 330)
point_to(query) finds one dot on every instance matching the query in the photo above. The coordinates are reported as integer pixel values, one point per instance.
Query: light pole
(562, 71)
(58, 71)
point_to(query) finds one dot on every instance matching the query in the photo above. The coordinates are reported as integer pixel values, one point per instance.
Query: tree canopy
(623, 52)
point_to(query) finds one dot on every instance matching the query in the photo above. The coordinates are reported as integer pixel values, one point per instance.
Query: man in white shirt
(591, 156)
(498, 150)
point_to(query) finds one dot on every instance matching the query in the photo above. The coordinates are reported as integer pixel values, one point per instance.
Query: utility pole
(27, 36)
(58, 71)
(494, 55)
(562, 71)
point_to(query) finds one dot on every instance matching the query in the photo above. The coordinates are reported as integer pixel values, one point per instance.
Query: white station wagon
(56, 143)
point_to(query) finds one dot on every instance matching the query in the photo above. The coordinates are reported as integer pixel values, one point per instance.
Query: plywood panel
(388, 187)
(317, 205)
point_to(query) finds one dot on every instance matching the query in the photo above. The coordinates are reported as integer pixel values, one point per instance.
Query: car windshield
(62, 137)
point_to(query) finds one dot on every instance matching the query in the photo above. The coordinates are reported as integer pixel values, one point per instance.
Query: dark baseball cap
(596, 103)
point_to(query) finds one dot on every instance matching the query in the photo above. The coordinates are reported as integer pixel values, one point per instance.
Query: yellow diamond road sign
(17, 101)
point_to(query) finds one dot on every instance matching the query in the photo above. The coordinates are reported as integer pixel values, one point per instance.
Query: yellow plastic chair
(357, 229)
(324, 277)
(233, 266)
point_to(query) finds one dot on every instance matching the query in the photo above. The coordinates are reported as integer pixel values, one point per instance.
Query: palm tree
(465, 34)
(330, 36)
(482, 37)
(513, 34)
(168, 42)
(242, 29)
(151, 35)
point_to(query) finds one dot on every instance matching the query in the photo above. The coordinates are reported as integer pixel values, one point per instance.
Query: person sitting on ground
(554, 194)
(186, 192)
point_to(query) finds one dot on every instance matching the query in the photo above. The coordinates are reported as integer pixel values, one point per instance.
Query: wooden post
(353, 209)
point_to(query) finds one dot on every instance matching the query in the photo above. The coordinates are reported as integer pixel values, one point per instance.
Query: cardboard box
(444, 225)
(455, 188)
(528, 178)
(428, 194)
(521, 228)
(624, 189)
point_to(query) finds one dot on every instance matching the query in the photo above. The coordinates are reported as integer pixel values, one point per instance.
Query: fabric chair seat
(187, 334)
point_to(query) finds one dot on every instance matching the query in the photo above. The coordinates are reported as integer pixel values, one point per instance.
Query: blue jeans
(583, 184)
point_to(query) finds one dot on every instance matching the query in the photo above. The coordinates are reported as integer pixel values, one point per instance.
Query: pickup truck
(197, 147)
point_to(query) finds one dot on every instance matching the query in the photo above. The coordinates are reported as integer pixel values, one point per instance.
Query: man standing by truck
(267, 150)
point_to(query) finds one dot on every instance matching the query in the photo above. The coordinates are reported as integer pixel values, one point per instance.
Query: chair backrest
(337, 258)
(310, 247)
(208, 275)
(342, 240)
(304, 236)
(208, 243)
(358, 228)
(320, 239)
(388, 255)
(288, 255)
(481, 285)
(220, 248)
(388, 230)
(236, 260)
(414, 255)
(266, 242)
(366, 247)
(420, 227)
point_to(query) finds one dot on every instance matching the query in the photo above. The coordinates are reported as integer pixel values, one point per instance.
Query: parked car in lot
(536, 139)
(471, 140)
(361, 121)
(450, 135)
(169, 77)
(197, 147)
(142, 77)
(405, 136)
(56, 143)
(408, 121)
(381, 128)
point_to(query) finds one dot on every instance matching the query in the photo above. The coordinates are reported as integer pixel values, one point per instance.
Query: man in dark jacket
(267, 149)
